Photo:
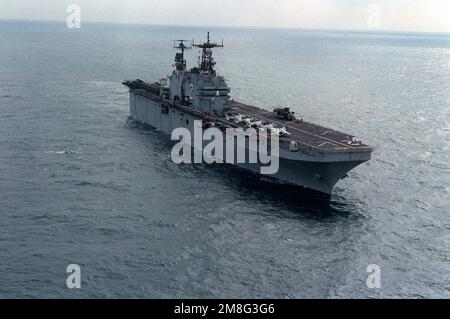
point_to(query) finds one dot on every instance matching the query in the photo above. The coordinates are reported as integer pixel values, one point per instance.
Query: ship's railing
(284, 142)
(302, 147)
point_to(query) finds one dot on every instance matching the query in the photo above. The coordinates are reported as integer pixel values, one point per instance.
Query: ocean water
(79, 184)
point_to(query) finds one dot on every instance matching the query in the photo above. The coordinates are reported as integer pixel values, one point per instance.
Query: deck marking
(334, 143)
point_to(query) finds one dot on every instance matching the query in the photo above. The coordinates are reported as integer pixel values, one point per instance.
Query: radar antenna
(180, 62)
(207, 62)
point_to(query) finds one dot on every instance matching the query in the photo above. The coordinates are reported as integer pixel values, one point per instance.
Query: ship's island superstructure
(310, 156)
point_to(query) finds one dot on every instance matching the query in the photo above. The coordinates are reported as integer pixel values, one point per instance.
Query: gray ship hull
(316, 172)
(320, 177)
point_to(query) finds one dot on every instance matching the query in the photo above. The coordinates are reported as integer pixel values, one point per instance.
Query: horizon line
(374, 31)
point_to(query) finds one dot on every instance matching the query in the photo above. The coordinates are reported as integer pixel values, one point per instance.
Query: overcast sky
(401, 15)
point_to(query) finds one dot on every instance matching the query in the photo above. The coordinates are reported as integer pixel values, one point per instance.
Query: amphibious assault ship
(311, 156)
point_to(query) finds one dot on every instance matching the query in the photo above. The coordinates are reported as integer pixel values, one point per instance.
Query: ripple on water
(82, 184)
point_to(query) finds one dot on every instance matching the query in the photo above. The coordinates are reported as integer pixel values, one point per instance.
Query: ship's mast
(180, 62)
(207, 62)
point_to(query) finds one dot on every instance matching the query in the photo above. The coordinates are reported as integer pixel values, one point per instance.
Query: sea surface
(80, 184)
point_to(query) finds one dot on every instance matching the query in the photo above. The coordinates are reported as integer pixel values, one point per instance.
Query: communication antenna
(207, 62)
(181, 45)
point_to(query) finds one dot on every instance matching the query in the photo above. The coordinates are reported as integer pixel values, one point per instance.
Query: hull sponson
(319, 172)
